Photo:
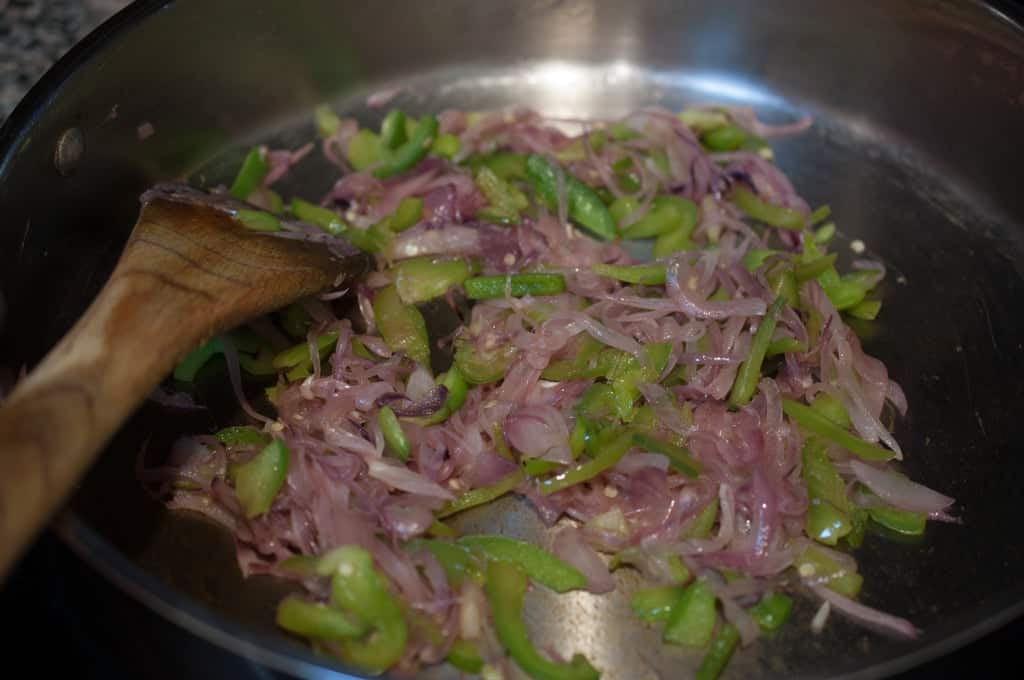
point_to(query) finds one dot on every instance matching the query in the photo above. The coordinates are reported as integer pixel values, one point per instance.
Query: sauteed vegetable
(648, 342)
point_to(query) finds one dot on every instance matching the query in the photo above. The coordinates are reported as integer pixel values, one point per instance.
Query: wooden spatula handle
(186, 274)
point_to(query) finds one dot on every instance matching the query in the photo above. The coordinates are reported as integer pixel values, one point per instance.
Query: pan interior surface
(916, 162)
(936, 243)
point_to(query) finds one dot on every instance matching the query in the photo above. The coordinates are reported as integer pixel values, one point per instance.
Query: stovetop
(55, 602)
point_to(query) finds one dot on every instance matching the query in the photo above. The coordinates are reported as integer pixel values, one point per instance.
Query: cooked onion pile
(639, 328)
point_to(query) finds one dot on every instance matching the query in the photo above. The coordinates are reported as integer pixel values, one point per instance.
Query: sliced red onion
(746, 626)
(382, 98)
(820, 617)
(899, 491)
(894, 393)
(403, 406)
(637, 461)
(570, 546)
(681, 294)
(446, 240)
(539, 432)
(404, 479)
(886, 623)
(745, 117)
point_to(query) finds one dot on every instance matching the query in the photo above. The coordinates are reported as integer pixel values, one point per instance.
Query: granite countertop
(36, 33)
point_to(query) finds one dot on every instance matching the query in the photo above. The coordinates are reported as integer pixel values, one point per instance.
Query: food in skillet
(649, 343)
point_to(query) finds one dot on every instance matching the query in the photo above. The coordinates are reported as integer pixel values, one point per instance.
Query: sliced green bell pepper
(505, 588)
(258, 481)
(539, 564)
(402, 326)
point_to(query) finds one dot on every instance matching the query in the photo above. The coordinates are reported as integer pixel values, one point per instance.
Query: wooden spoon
(187, 273)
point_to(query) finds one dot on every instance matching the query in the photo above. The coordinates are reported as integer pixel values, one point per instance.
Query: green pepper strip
(439, 529)
(458, 562)
(678, 456)
(535, 467)
(506, 201)
(325, 120)
(358, 588)
(540, 565)
(250, 175)
(315, 620)
(666, 214)
(700, 526)
(373, 239)
(728, 137)
(481, 495)
(832, 408)
(584, 362)
(424, 278)
(700, 120)
(516, 285)
(776, 216)
(258, 481)
(900, 521)
(825, 523)
(392, 129)
(408, 214)
(623, 207)
(825, 232)
(294, 320)
(578, 437)
(783, 283)
(585, 207)
(242, 435)
(818, 424)
(815, 268)
(364, 150)
(257, 220)
(692, 621)
(607, 456)
(402, 326)
(394, 438)
(717, 658)
(446, 145)
(188, 367)
(655, 604)
(480, 367)
(455, 383)
(505, 588)
(328, 220)
(815, 564)
(646, 274)
(410, 153)
(505, 164)
(749, 372)
(867, 310)
(820, 476)
(625, 372)
(755, 257)
(772, 611)
(465, 655)
(672, 242)
(820, 214)
(784, 345)
(297, 354)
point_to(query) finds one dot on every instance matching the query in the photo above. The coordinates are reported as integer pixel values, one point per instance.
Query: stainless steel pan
(917, 141)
